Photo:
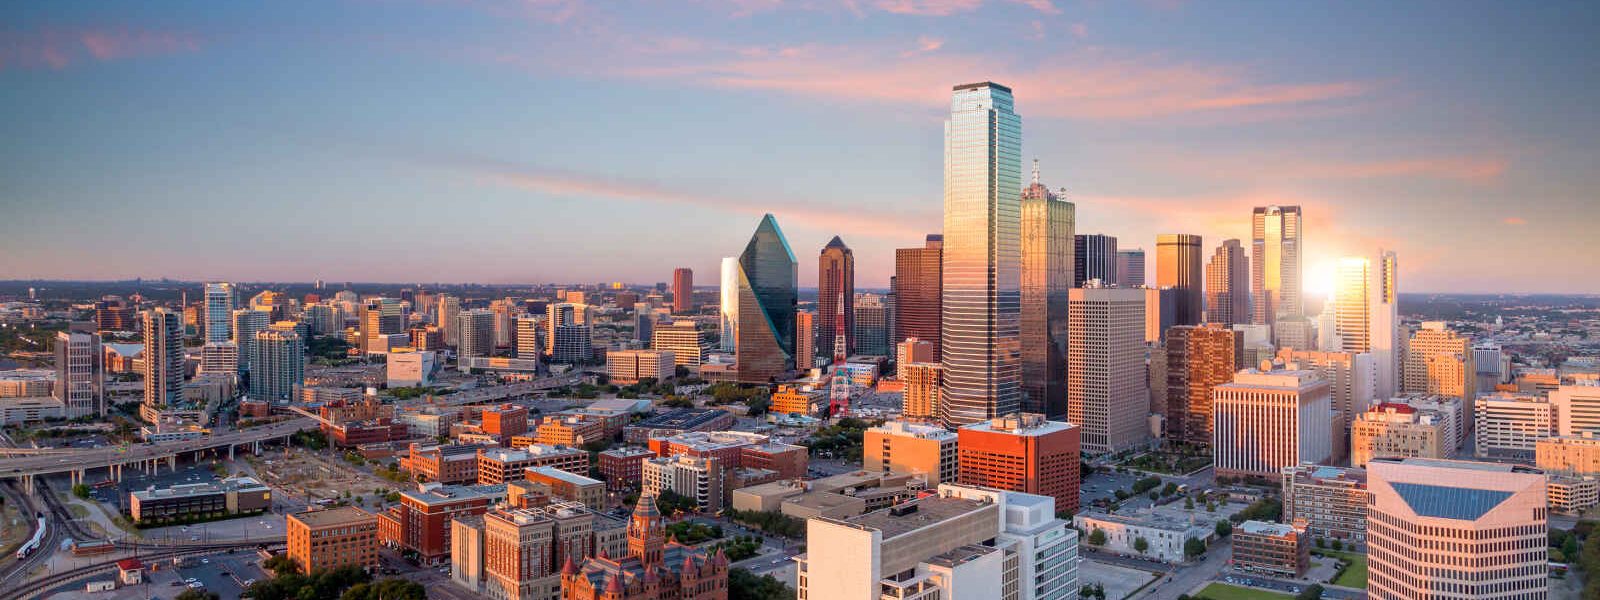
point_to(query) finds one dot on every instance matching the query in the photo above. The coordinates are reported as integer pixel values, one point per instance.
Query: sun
(1320, 279)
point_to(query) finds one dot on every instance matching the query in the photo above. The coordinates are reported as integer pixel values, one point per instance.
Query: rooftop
(1025, 424)
(916, 430)
(199, 489)
(333, 516)
(961, 555)
(916, 514)
(683, 418)
(455, 493)
(1265, 528)
(555, 473)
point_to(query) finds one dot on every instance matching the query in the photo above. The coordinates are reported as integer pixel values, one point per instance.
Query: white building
(688, 476)
(220, 357)
(1165, 535)
(412, 369)
(80, 374)
(219, 304)
(1577, 407)
(1108, 389)
(1511, 424)
(1264, 421)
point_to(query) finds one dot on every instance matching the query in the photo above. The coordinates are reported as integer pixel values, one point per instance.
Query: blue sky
(551, 140)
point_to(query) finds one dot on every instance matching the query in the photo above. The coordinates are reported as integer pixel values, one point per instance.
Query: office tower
(527, 343)
(219, 357)
(1160, 313)
(1294, 332)
(1108, 392)
(1268, 420)
(1383, 308)
(324, 318)
(627, 367)
(163, 358)
(1332, 501)
(767, 293)
(920, 401)
(246, 323)
(686, 342)
(728, 308)
(981, 270)
(1397, 431)
(1354, 378)
(1094, 256)
(911, 350)
(682, 291)
(332, 538)
(1456, 529)
(112, 313)
(1365, 313)
(1178, 263)
(1275, 263)
(654, 567)
(916, 285)
(219, 305)
(1199, 358)
(911, 448)
(1228, 285)
(558, 315)
(1130, 268)
(1577, 407)
(961, 542)
(1440, 361)
(1047, 245)
(1022, 452)
(644, 325)
(573, 344)
(871, 326)
(1509, 424)
(446, 317)
(277, 369)
(379, 317)
(504, 322)
(836, 281)
(80, 374)
(805, 340)
(474, 333)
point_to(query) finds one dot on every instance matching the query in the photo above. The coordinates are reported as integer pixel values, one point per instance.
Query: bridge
(145, 456)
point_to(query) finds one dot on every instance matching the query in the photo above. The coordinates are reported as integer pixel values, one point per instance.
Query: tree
(1224, 528)
(1338, 544)
(1097, 537)
(1312, 592)
(1188, 503)
(1140, 544)
(1321, 543)
(1194, 547)
(281, 565)
(193, 594)
(1169, 489)
(744, 585)
(388, 589)
(81, 491)
(1154, 495)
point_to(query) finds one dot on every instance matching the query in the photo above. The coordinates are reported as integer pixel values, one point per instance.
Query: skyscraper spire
(1035, 171)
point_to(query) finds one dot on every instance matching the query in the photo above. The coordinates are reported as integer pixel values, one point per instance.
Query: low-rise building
(332, 538)
(501, 465)
(702, 479)
(421, 521)
(902, 447)
(1165, 535)
(627, 367)
(676, 421)
(797, 400)
(1394, 431)
(1572, 494)
(1570, 455)
(569, 430)
(447, 464)
(564, 486)
(1331, 500)
(622, 467)
(1271, 548)
(195, 501)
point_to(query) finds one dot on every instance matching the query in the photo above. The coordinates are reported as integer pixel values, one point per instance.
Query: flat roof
(1265, 528)
(456, 493)
(961, 555)
(681, 418)
(896, 521)
(332, 516)
(572, 478)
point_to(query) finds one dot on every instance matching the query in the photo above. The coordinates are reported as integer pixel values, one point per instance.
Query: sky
(572, 141)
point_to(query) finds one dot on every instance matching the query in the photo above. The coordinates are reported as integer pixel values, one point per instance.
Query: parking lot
(225, 574)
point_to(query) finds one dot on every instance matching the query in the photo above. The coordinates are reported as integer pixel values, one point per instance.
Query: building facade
(1265, 421)
(1228, 285)
(917, 285)
(1047, 232)
(766, 298)
(1022, 453)
(1107, 386)
(332, 538)
(1179, 263)
(911, 448)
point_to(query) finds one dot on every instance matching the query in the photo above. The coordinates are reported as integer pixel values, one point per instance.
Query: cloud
(59, 49)
(925, 44)
(1045, 6)
(928, 8)
(1079, 30)
(1514, 221)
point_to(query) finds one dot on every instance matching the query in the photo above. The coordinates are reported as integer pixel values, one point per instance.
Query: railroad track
(35, 588)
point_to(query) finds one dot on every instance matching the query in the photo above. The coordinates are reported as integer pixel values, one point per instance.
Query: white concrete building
(412, 369)
(1510, 424)
(1577, 407)
(1165, 535)
(1264, 421)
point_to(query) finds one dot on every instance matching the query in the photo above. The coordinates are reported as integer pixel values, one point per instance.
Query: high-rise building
(979, 344)
(573, 344)
(163, 357)
(557, 315)
(1107, 388)
(836, 282)
(1354, 378)
(1275, 263)
(684, 339)
(1199, 358)
(1511, 424)
(918, 274)
(1456, 529)
(1365, 314)
(1094, 256)
(805, 340)
(219, 305)
(1022, 452)
(1265, 421)
(1577, 406)
(682, 291)
(728, 307)
(80, 374)
(1396, 431)
(1047, 245)
(1384, 308)
(379, 317)
(871, 325)
(219, 357)
(911, 448)
(323, 318)
(920, 400)
(278, 366)
(911, 350)
(446, 316)
(1440, 361)
(474, 333)
(504, 321)
(1228, 285)
(332, 538)
(1178, 266)
(112, 313)
(528, 342)
(246, 323)
(1130, 268)
(767, 294)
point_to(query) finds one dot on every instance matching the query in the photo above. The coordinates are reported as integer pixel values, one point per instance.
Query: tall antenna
(1036, 171)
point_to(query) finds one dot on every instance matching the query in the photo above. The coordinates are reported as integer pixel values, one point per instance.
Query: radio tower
(839, 387)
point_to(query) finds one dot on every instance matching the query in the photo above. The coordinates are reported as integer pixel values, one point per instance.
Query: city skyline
(212, 117)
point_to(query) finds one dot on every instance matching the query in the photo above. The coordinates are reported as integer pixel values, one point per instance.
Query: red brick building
(505, 420)
(421, 521)
(1022, 453)
(623, 467)
(377, 431)
(442, 464)
(653, 569)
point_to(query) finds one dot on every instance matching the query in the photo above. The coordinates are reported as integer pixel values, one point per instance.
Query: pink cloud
(1045, 6)
(928, 8)
(1514, 221)
(58, 49)
(925, 44)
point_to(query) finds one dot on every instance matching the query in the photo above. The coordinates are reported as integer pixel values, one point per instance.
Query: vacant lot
(1223, 591)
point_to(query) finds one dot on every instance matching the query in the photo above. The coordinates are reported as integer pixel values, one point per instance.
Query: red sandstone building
(1022, 453)
(653, 569)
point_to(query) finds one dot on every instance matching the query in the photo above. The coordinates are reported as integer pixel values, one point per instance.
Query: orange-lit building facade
(505, 421)
(332, 538)
(920, 399)
(654, 569)
(1198, 360)
(421, 521)
(1022, 453)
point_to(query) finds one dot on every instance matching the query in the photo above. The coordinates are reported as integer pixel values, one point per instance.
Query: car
(191, 580)
(197, 585)
(205, 561)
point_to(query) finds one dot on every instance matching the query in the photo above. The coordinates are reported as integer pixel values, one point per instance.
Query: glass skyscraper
(1047, 246)
(980, 345)
(218, 320)
(1275, 264)
(769, 278)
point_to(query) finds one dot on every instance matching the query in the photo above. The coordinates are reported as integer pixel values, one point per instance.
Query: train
(38, 538)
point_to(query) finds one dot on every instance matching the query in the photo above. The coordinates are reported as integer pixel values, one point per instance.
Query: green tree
(744, 585)
(1337, 544)
(281, 565)
(1188, 503)
(1140, 544)
(1097, 537)
(193, 594)
(1311, 592)
(1194, 547)
(1224, 528)
(81, 491)
(388, 589)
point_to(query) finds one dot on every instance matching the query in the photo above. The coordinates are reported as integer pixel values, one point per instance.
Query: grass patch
(1352, 576)
(1223, 591)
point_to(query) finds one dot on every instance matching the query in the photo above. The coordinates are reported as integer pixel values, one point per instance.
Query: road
(1291, 587)
(1175, 579)
(96, 458)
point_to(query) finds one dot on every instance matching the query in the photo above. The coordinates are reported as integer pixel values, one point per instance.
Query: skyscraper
(682, 290)
(1352, 319)
(1384, 308)
(475, 331)
(1440, 361)
(557, 315)
(246, 322)
(1198, 360)
(529, 334)
(1130, 268)
(1108, 391)
(916, 287)
(379, 316)
(449, 310)
(1275, 264)
(1094, 256)
(872, 326)
(728, 307)
(768, 290)
(220, 302)
(1365, 311)
(1228, 285)
(836, 281)
(163, 357)
(979, 342)
(278, 368)
(1178, 263)
(80, 376)
(1264, 421)
(805, 340)
(505, 312)
(1047, 246)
